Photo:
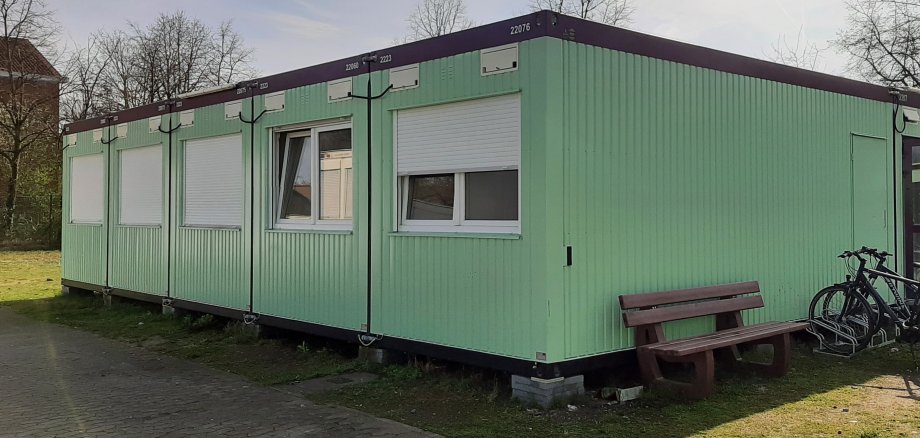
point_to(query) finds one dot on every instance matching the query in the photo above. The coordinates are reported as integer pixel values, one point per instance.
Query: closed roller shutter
(141, 186)
(87, 189)
(214, 182)
(475, 135)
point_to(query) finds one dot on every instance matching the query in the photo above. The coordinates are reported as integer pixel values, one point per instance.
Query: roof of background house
(26, 58)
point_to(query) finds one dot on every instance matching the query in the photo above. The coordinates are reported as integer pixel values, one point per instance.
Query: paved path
(56, 381)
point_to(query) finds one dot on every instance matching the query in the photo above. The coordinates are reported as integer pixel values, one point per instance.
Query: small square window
(491, 196)
(431, 197)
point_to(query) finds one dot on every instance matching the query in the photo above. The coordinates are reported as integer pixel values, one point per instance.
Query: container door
(871, 192)
(911, 180)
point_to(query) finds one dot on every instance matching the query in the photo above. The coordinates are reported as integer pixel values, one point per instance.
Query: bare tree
(612, 12)
(175, 54)
(882, 38)
(29, 92)
(437, 17)
(84, 69)
(801, 53)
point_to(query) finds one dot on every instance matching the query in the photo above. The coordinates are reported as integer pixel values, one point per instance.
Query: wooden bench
(647, 313)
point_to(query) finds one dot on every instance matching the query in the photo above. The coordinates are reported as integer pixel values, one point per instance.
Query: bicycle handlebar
(881, 255)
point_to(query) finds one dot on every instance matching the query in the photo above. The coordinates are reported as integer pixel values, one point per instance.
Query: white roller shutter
(140, 194)
(87, 174)
(214, 181)
(473, 135)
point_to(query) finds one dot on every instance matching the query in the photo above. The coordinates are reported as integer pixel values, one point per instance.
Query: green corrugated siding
(680, 177)
(83, 246)
(484, 294)
(659, 175)
(209, 265)
(313, 276)
(137, 259)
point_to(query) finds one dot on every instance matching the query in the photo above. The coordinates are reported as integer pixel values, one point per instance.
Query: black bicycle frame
(863, 283)
(890, 276)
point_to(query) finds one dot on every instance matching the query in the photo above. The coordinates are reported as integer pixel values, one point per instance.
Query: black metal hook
(111, 140)
(171, 129)
(240, 115)
(372, 97)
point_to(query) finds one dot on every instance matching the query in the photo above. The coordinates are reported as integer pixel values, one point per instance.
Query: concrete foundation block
(546, 393)
(169, 310)
(107, 299)
(254, 330)
(378, 356)
(65, 290)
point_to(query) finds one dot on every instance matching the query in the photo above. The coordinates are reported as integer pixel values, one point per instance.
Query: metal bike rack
(843, 334)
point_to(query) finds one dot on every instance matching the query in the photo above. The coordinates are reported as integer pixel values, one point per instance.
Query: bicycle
(844, 310)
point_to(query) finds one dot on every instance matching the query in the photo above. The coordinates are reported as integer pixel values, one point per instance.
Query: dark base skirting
(522, 367)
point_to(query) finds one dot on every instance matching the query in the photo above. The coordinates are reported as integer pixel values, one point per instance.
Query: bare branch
(437, 17)
(612, 12)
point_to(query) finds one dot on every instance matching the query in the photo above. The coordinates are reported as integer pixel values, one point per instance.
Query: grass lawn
(862, 397)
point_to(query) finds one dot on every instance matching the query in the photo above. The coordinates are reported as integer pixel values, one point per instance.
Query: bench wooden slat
(686, 311)
(679, 296)
(687, 346)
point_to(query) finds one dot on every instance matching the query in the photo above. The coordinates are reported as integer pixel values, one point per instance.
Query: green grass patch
(860, 397)
(30, 285)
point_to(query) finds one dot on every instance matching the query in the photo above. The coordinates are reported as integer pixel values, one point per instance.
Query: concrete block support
(252, 329)
(106, 299)
(546, 393)
(65, 290)
(378, 356)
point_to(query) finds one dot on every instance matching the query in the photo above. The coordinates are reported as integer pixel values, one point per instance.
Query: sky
(289, 34)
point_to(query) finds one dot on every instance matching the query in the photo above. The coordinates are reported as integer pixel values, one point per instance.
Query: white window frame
(458, 224)
(314, 222)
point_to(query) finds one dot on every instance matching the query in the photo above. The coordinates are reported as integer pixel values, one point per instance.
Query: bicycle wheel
(843, 318)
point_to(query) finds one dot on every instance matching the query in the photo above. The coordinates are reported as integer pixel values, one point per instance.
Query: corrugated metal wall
(83, 246)
(210, 265)
(137, 258)
(484, 293)
(312, 275)
(680, 177)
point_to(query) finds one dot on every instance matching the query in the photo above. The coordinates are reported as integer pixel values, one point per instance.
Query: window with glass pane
(431, 197)
(296, 185)
(491, 196)
(335, 174)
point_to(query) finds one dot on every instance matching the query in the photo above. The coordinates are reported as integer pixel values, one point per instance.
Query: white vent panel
(403, 78)
(187, 118)
(500, 59)
(339, 90)
(274, 101)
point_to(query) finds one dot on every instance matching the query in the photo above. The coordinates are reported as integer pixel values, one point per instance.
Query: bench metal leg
(703, 370)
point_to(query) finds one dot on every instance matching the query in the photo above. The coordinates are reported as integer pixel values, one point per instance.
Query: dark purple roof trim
(596, 34)
(526, 27)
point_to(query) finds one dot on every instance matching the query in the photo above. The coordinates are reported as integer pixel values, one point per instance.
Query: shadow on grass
(462, 403)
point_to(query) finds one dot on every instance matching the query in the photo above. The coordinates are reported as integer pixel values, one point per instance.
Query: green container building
(507, 185)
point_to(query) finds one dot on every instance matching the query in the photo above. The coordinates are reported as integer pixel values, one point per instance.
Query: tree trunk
(9, 209)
